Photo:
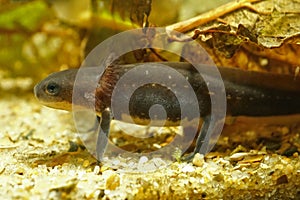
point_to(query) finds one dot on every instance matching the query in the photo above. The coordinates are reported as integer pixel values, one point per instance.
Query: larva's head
(69, 88)
(56, 90)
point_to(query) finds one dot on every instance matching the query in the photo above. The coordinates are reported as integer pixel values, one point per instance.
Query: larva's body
(247, 93)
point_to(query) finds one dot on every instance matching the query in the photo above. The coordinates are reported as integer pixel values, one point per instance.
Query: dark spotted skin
(247, 93)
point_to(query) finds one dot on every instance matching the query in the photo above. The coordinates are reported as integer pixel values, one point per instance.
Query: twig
(194, 22)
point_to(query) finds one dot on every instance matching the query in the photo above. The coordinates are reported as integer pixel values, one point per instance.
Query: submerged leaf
(263, 35)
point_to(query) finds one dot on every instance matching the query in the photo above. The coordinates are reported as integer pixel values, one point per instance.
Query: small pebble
(198, 160)
(113, 182)
(86, 163)
(96, 169)
(188, 168)
(143, 159)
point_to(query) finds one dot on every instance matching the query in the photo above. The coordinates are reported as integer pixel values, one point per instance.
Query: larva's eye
(52, 88)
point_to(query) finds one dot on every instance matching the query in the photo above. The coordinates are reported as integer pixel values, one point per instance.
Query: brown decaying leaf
(263, 37)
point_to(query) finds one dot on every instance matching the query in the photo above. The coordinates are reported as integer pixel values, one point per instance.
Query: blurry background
(41, 36)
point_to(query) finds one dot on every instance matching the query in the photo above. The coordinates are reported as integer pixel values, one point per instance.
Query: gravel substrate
(42, 158)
